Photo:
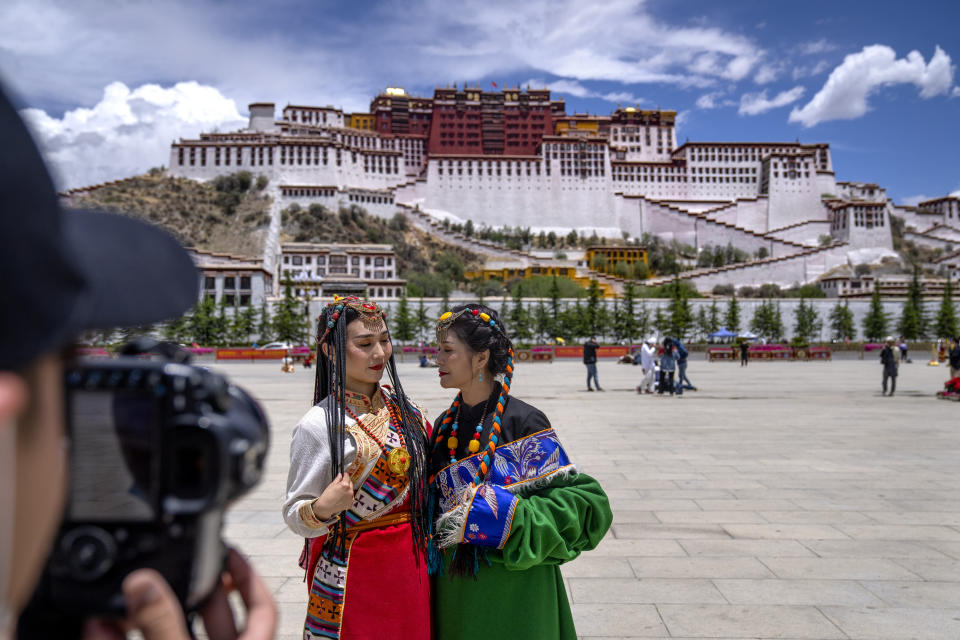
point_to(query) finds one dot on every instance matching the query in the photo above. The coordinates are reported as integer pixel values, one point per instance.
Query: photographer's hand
(337, 497)
(154, 611)
(261, 614)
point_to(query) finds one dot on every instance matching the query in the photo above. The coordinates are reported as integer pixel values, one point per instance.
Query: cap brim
(135, 273)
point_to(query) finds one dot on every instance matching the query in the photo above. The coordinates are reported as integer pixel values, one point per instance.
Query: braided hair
(480, 328)
(331, 369)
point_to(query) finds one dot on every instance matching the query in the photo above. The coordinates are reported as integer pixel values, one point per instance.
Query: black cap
(62, 272)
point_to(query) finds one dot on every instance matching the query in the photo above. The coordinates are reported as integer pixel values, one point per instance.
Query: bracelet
(310, 518)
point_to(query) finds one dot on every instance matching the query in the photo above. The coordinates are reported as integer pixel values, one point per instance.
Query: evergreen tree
(200, 326)
(841, 321)
(763, 320)
(404, 328)
(703, 322)
(423, 320)
(287, 319)
(732, 317)
(807, 322)
(265, 326)
(875, 322)
(517, 317)
(221, 324)
(680, 316)
(176, 329)
(661, 320)
(627, 321)
(445, 303)
(714, 317)
(946, 320)
(643, 319)
(555, 301)
(592, 318)
(912, 322)
(778, 329)
(542, 323)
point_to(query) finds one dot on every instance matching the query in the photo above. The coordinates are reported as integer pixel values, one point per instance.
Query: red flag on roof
(494, 84)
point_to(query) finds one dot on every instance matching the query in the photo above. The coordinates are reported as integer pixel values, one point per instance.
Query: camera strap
(8, 461)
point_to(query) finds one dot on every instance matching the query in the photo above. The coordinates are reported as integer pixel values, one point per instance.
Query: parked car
(277, 345)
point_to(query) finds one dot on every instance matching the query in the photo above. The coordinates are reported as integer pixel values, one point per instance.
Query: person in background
(954, 356)
(590, 359)
(744, 353)
(668, 364)
(683, 382)
(890, 358)
(647, 354)
(903, 350)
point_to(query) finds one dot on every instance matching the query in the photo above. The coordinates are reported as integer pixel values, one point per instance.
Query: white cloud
(804, 71)
(127, 132)
(766, 73)
(912, 201)
(818, 46)
(564, 87)
(714, 100)
(752, 104)
(844, 96)
(955, 93)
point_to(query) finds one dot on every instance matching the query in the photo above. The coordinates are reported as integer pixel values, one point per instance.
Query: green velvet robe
(520, 592)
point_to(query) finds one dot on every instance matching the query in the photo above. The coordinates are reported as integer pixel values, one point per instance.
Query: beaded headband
(370, 313)
(450, 317)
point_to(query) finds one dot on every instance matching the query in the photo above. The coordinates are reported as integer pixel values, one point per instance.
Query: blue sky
(108, 85)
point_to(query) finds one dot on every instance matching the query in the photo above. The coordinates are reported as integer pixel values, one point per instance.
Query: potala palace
(515, 157)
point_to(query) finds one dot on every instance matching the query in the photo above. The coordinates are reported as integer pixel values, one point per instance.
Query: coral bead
(474, 446)
(452, 443)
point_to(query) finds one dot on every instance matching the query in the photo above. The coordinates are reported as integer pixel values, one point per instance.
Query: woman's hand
(337, 497)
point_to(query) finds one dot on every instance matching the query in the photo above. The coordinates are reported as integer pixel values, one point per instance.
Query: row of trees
(913, 323)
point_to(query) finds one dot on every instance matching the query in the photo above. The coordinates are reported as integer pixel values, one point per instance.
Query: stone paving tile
(785, 531)
(938, 595)
(951, 549)
(746, 505)
(847, 593)
(896, 623)
(621, 516)
(619, 620)
(816, 517)
(874, 549)
(747, 621)
(590, 565)
(840, 569)
(746, 548)
(899, 532)
(669, 531)
(646, 591)
(709, 517)
(700, 567)
(932, 569)
(642, 547)
(948, 518)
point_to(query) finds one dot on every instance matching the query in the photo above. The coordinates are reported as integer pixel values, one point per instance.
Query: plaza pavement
(782, 500)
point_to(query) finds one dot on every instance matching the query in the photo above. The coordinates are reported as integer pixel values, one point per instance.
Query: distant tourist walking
(590, 359)
(668, 364)
(744, 353)
(903, 350)
(683, 382)
(890, 358)
(648, 352)
(955, 357)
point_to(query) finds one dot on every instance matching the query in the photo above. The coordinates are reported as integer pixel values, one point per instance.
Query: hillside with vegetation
(430, 266)
(230, 214)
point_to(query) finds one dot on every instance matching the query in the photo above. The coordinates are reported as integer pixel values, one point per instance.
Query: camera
(158, 449)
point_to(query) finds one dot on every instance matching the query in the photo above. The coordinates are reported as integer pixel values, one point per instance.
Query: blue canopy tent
(723, 333)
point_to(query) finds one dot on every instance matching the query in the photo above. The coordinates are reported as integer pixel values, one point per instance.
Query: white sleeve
(309, 474)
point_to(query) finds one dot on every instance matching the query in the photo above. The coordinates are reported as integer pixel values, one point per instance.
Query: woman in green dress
(510, 506)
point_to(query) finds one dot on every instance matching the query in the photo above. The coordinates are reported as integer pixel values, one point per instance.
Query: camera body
(158, 448)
